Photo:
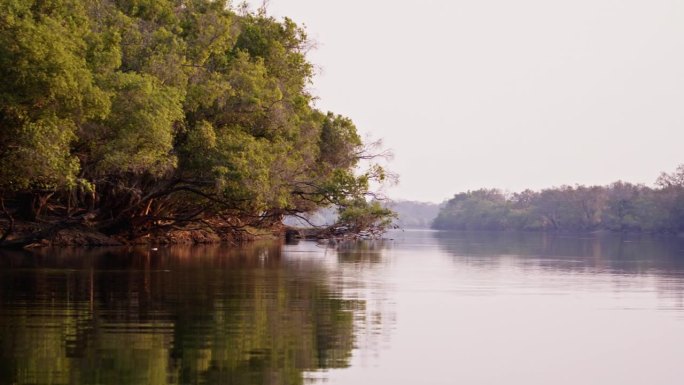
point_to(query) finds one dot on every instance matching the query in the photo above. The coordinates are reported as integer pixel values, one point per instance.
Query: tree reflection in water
(619, 256)
(362, 252)
(177, 315)
(615, 253)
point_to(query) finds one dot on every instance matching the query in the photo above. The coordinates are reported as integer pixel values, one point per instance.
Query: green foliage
(46, 93)
(165, 108)
(618, 207)
(137, 136)
(338, 139)
(359, 215)
(476, 210)
(38, 151)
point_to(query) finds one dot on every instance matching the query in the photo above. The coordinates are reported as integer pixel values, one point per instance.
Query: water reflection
(628, 265)
(177, 315)
(614, 253)
(529, 309)
(362, 253)
(423, 307)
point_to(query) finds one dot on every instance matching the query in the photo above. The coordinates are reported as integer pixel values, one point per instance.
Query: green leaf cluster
(166, 108)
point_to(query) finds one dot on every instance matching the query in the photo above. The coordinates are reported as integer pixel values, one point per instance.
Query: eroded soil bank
(35, 235)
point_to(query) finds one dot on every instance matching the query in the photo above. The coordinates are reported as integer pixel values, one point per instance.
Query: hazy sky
(502, 93)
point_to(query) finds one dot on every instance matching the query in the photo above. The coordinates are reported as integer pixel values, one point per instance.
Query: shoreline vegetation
(618, 207)
(168, 121)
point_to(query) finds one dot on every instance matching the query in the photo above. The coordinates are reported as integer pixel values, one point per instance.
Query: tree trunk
(10, 228)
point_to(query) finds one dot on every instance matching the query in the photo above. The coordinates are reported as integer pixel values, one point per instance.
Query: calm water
(424, 308)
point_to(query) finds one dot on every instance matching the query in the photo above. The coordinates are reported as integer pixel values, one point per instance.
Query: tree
(620, 206)
(135, 115)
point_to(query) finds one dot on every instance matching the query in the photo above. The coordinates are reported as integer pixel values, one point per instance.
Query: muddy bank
(37, 235)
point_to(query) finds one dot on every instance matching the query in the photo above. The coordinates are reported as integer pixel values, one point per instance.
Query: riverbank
(37, 235)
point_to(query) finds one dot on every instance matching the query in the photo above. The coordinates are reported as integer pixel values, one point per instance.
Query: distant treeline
(620, 206)
(413, 214)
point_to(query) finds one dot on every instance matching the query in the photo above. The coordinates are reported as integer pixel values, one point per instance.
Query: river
(420, 307)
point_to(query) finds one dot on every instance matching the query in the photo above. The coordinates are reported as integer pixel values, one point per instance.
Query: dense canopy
(620, 207)
(140, 114)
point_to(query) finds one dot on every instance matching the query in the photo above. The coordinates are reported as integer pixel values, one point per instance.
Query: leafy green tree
(134, 115)
(360, 216)
(48, 92)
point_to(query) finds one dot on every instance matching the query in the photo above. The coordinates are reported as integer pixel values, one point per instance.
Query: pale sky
(503, 93)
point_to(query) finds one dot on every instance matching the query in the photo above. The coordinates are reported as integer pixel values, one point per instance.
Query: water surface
(423, 308)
